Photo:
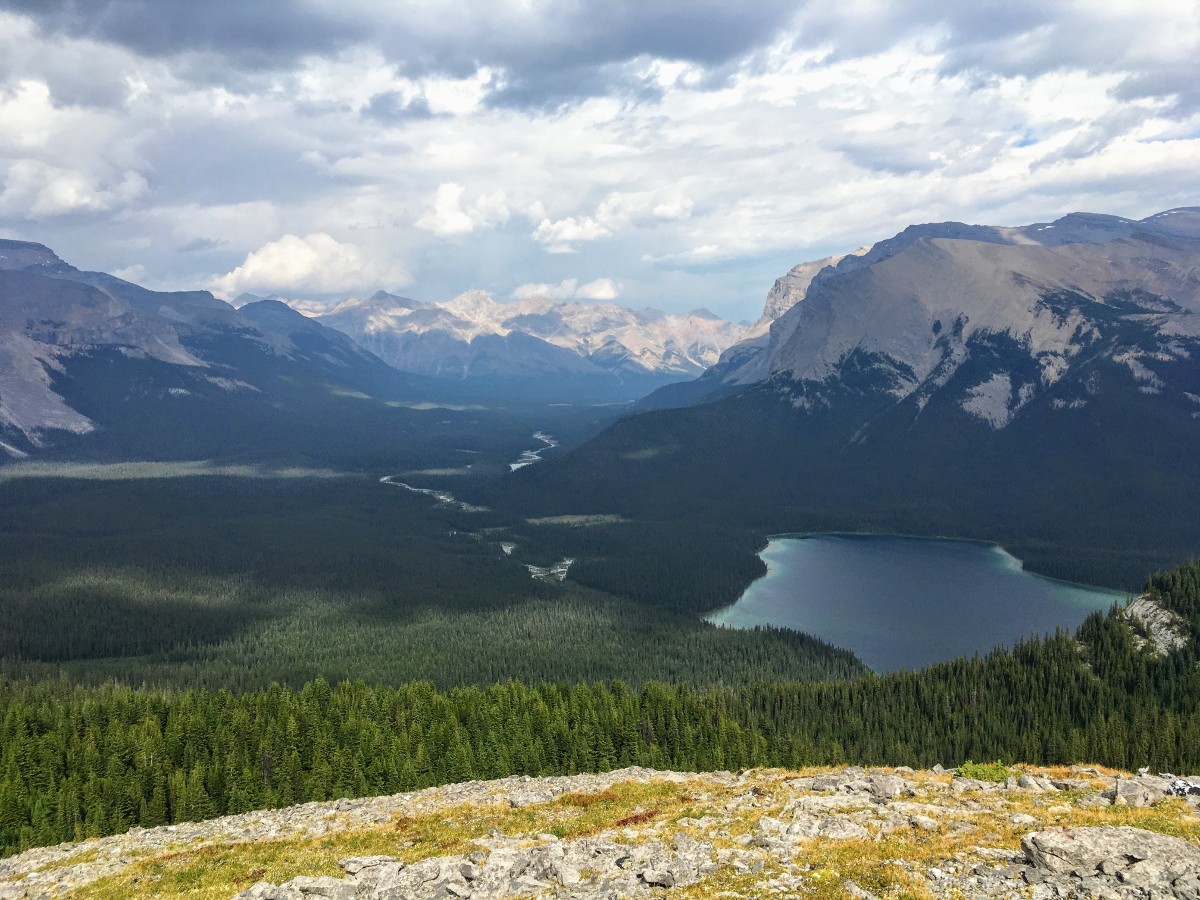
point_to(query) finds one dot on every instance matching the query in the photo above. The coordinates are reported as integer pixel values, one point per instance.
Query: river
(902, 603)
(529, 457)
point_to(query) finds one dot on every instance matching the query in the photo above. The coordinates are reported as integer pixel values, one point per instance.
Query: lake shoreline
(903, 601)
(784, 535)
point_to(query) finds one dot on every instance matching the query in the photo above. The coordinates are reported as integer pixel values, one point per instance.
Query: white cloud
(690, 179)
(313, 264)
(134, 273)
(570, 289)
(619, 211)
(448, 218)
(564, 290)
(35, 190)
(565, 231)
(600, 289)
(26, 115)
(673, 210)
(645, 207)
(702, 254)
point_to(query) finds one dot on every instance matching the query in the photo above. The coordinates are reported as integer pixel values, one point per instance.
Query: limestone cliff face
(791, 288)
(1041, 833)
(1020, 308)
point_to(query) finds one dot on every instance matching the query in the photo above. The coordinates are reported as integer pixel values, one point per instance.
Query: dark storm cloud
(558, 52)
(707, 32)
(252, 34)
(847, 33)
(573, 49)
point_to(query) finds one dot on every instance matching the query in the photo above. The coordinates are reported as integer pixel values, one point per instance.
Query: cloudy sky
(658, 152)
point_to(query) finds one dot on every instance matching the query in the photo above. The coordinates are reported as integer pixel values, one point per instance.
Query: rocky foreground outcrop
(1119, 862)
(855, 832)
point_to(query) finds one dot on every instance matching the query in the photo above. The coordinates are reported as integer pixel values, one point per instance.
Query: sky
(668, 154)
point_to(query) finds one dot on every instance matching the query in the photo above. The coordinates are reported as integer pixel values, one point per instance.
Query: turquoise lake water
(902, 603)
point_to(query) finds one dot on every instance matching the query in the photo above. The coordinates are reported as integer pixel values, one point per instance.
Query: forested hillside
(1044, 486)
(79, 761)
(238, 582)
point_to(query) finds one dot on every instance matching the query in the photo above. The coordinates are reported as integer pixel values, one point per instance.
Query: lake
(902, 603)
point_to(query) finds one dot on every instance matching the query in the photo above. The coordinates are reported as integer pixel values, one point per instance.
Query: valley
(223, 567)
(599, 451)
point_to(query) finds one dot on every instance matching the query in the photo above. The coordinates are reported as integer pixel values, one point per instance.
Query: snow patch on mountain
(1148, 381)
(994, 402)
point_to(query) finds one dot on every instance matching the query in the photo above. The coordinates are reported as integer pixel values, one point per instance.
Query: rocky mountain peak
(391, 301)
(1183, 221)
(474, 305)
(57, 321)
(1037, 302)
(277, 312)
(790, 289)
(604, 340)
(18, 255)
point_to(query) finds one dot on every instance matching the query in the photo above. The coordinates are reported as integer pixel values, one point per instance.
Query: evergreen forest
(183, 641)
(79, 761)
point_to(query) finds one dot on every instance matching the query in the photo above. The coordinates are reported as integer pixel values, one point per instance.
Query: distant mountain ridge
(81, 351)
(88, 359)
(473, 336)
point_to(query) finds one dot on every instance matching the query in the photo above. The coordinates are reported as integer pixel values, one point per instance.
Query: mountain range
(90, 359)
(1038, 384)
(475, 339)
(92, 363)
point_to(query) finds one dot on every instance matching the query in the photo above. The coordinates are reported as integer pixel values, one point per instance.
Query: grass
(76, 859)
(889, 865)
(994, 771)
(137, 471)
(219, 870)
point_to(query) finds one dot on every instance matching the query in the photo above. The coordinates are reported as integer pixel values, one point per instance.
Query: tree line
(77, 761)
